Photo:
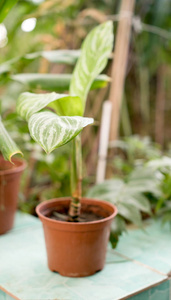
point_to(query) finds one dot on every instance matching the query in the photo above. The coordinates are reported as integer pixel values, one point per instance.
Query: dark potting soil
(88, 213)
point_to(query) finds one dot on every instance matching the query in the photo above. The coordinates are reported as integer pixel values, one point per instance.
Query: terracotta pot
(9, 187)
(76, 249)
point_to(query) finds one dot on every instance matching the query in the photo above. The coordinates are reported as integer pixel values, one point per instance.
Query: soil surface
(88, 213)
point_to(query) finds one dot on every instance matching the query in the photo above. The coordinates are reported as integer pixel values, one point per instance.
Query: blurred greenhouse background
(32, 29)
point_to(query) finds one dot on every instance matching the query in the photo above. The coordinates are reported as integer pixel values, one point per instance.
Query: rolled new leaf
(94, 56)
(29, 103)
(51, 131)
(8, 147)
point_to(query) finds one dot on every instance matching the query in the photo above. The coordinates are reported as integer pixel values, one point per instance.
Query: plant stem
(76, 178)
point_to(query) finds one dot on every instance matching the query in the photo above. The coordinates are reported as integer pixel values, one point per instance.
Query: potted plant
(76, 229)
(10, 173)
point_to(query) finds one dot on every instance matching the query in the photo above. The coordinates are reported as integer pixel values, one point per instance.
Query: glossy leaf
(8, 147)
(51, 131)
(94, 55)
(55, 82)
(29, 103)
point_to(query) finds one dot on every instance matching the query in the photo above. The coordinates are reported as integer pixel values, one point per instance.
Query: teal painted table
(138, 269)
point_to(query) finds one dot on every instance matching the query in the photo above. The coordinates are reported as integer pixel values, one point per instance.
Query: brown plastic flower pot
(9, 186)
(76, 249)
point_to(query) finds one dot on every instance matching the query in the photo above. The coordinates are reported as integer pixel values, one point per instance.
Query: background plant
(140, 186)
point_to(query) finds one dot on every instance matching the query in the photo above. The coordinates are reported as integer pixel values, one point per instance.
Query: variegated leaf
(8, 147)
(51, 131)
(94, 55)
(29, 103)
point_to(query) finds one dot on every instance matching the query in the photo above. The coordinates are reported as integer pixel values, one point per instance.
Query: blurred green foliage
(141, 186)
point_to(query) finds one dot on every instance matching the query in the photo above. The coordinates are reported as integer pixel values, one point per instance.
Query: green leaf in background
(29, 103)
(5, 6)
(128, 196)
(68, 57)
(94, 56)
(51, 131)
(117, 227)
(7, 145)
(130, 213)
(140, 202)
(144, 179)
(161, 163)
(55, 82)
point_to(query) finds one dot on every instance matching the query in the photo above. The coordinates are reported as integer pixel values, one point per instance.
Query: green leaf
(68, 57)
(5, 7)
(130, 213)
(50, 82)
(29, 103)
(140, 202)
(65, 56)
(94, 55)
(7, 145)
(67, 106)
(109, 190)
(117, 227)
(55, 82)
(144, 179)
(61, 56)
(127, 196)
(101, 81)
(51, 131)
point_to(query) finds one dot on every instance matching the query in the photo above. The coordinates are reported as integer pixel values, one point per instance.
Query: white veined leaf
(29, 103)
(94, 56)
(51, 131)
(8, 147)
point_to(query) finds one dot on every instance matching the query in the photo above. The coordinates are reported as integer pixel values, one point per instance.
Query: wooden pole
(120, 63)
(160, 105)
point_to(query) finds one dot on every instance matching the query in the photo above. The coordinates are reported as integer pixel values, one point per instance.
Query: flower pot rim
(14, 168)
(74, 224)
